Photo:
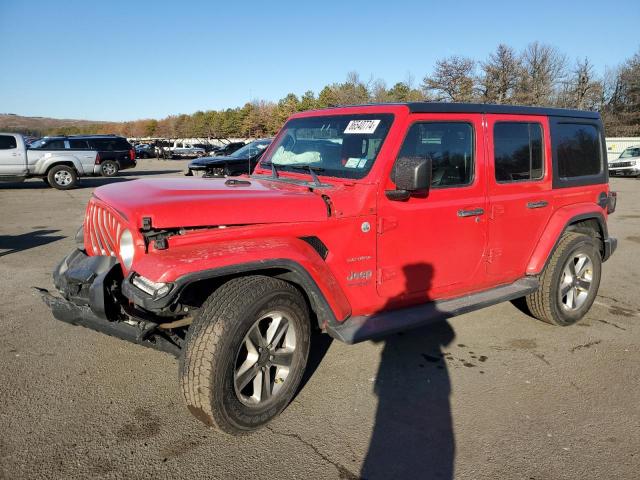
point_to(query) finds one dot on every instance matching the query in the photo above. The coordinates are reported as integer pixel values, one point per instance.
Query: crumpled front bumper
(91, 298)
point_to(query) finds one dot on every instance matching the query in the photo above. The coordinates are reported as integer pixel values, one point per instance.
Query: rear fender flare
(561, 220)
(50, 162)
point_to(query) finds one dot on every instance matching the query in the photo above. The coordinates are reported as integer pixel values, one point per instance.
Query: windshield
(251, 149)
(631, 152)
(338, 146)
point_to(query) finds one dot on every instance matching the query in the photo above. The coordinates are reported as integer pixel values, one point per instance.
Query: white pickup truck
(58, 165)
(186, 150)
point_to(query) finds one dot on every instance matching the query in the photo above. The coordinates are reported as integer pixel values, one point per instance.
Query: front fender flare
(191, 263)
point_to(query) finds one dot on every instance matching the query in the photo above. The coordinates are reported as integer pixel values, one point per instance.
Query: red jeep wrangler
(359, 221)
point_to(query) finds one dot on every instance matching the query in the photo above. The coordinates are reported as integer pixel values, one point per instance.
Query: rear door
(81, 150)
(12, 156)
(520, 191)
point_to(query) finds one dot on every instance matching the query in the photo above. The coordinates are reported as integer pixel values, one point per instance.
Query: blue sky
(124, 60)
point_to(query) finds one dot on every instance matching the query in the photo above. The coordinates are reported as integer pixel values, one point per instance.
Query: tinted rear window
(54, 145)
(109, 144)
(7, 142)
(517, 151)
(578, 149)
(79, 144)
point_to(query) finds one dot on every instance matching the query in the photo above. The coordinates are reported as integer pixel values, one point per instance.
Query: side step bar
(367, 327)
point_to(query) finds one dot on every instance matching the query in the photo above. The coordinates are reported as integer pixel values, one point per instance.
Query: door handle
(474, 212)
(540, 204)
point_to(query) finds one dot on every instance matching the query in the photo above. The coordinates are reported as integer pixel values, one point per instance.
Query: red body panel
(381, 252)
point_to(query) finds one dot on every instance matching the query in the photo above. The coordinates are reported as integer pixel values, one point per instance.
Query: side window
(450, 146)
(55, 145)
(517, 151)
(102, 144)
(78, 144)
(577, 149)
(7, 142)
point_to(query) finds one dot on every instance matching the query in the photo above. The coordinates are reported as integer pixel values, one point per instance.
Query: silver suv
(627, 164)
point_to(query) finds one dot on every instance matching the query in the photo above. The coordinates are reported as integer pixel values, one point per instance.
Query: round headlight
(127, 249)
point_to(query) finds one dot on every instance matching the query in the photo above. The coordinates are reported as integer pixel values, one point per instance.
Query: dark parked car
(241, 161)
(145, 150)
(228, 149)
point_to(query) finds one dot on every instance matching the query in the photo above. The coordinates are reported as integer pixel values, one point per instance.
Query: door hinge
(496, 210)
(386, 224)
(492, 254)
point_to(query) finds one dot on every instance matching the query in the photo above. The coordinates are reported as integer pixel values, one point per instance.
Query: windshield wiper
(312, 171)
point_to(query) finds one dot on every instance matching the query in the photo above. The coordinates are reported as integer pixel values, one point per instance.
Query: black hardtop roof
(104, 135)
(446, 107)
(429, 107)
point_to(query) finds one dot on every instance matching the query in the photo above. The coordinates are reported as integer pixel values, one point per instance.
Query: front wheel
(245, 353)
(569, 283)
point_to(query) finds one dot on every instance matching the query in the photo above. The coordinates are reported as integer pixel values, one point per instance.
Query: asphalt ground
(491, 394)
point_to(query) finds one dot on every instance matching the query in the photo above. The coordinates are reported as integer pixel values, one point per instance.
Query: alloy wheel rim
(109, 169)
(62, 178)
(575, 282)
(264, 360)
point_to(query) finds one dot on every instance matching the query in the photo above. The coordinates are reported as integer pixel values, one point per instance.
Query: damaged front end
(91, 296)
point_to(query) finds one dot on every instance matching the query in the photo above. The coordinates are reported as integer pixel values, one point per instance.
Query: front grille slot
(102, 229)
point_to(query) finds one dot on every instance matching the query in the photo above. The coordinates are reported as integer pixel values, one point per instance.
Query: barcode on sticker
(362, 126)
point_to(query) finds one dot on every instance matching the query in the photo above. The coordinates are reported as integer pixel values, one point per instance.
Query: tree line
(539, 75)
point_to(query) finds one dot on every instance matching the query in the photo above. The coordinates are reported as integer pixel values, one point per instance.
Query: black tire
(212, 353)
(109, 168)
(62, 177)
(548, 304)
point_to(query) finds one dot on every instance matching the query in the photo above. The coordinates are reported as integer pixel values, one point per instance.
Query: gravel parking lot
(492, 394)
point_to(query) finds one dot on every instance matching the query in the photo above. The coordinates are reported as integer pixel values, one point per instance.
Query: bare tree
(621, 112)
(543, 71)
(452, 80)
(500, 75)
(582, 89)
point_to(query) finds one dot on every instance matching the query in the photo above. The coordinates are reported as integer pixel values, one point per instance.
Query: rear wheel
(109, 168)
(62, 177)
(245, 353)
(569, 283)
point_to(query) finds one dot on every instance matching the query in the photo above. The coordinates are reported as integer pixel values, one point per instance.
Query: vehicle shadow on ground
(17, 243)
(87, 182)
(413, 431)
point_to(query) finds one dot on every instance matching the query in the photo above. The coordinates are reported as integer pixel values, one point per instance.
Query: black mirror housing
(410, 174)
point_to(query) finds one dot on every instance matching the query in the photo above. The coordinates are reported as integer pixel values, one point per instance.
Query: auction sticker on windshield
(362, 126)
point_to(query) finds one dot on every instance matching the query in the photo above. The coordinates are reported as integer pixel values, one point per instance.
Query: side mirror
(411, 175)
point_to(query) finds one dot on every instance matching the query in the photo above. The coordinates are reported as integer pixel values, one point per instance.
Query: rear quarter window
(578, 152)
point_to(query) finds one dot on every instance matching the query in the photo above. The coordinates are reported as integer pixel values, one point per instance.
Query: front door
(12, 161)
(432, 246)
